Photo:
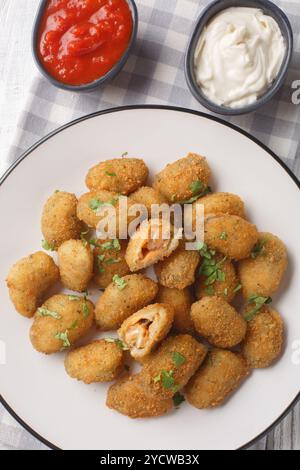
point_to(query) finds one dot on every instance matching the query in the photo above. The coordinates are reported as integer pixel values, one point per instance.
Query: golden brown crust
(109, 262)
(120, 175)
(115, 305)
(59, 220)
(181, 300)
(263, 274)
(220, 375)
(29, 280)
(147, 196)
(99, 361)
(220, 203)
(218, 322)
(75, 265)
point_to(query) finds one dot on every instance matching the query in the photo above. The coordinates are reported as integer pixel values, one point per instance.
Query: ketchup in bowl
(79, 41)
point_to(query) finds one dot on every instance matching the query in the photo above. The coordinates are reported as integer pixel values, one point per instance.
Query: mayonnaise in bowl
(238, 56)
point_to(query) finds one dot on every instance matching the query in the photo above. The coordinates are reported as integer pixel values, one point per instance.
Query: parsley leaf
(74, 325)
(209, 290)
(95, 204)
(124, 154)
(178, 399)
(259, 301)
(110, 173)
(238, 288)
(112, 245)
(73, 298)
(111, 261)
(64, 338)
(194, 198)
(47, 246)
(167, 380)
(196, 187)
(44, 312)
(118, 342)
(85, 310)
(224, 236)
(211, 269)
(178, 358)
(120, 283)
(258, 249)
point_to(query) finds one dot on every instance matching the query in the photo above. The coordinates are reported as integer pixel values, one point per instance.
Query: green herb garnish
(111, 261)
(238, 288)
(211, 269)
(44, 312)
(204, 251)
(85, 310)
(120, 283)
(259, 301)
(95, 204)
(73, 298)
(110, 173)
(178, 358)
(209, 290)
(118, 342)
(47, 246)
(196, 187)
(74, 325)
(194, 198)
(167, 380)
(224, 236)
(124, 154)
(178, 399)
(64, 338)
(113, 245)
(258, 249)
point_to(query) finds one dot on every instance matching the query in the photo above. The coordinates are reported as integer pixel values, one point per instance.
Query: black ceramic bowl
(105, 78)
(213, 9)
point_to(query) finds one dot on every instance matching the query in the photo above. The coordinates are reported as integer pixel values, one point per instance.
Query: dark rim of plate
(158, 107)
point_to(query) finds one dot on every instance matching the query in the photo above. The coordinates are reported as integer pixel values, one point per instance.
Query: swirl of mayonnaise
(238, 56)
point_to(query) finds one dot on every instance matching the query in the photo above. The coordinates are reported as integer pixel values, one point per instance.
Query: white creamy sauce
(238, 56)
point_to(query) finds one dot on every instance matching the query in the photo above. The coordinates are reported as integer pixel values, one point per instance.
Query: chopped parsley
(108, 173)
(178, 358)
(211, 269)
(47, 246)
(224, 236)
(178, 399)
(238, 288)
(196, 187)
(204, 251)
(110, 261)
(118, 342)
(167, 380)
(201, 193)
(73, 298)
(63, 337)
(258, 249)
(209, 290)
(95, 204)
(44, 312)
(124, 154)
(74, 325)
(85, 310)
(259, 301)
(112, 245)
(120, 283)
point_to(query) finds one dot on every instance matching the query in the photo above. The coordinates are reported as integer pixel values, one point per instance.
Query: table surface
(16, 72)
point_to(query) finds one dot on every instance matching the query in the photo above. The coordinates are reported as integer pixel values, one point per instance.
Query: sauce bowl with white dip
(239, 55)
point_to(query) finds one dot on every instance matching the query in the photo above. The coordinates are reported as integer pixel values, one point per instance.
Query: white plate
(70, 415)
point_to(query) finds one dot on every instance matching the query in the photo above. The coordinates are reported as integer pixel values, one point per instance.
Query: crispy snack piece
(29, 280)
(59, 220)
(230, 235)
(181, 301)
(218, 322)
(153, 241)
(128, 396)
(109, 260)
(220, 203)
(143, 330)
(264, 339)
(120, 175)
(224, 286)
(183, 179)
(75, 265)
(60, 322)
(264, 270)
(178, 270)
(118, 302)
(101, 205)
(171, 366)
(148, 196)
(98, 361)
(221, 374)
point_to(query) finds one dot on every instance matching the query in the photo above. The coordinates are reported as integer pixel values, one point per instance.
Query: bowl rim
(99, 81)
(205, 16)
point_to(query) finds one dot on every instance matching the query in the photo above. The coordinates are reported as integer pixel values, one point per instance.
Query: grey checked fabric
(154, 74)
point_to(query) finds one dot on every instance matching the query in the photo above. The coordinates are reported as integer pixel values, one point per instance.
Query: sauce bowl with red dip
(81, 44)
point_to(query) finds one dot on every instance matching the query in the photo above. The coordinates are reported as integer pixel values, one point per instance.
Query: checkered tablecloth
(154, 74)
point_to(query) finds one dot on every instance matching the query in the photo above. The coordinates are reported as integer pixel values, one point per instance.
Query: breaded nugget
(263, 271)
(264, 338)
(60, 322)
(28, 281)
(59, 220)
(120, 175)
(109, 260)
(220, 375)
(153, 241)
(181, 300)
(96, 206)
(99, 361)
(122, 298)
(226, 283)
(218, 322)
(143, 330)
(148, 196)
(183, 179)
(230, 235)
(220, 203)
(75, 264)
(171, 366)
(178, 270)
(128, 397)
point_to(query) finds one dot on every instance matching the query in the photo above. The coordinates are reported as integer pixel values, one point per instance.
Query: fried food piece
(148, 196)
(143, 330)
(97, 206)
(122, 299)
(59, 220)
(218, 322)
(98, 361)
(109, 260)
(120, 175)
(181, 301)
(264, 270)
(153, 241)
(171, 366)
(230, 235)
(75, 264)
(178, 270)
(183, 179)
(264, 339)
(220, 203)
(221, 374)
(226, 283)
(60, 322)
(29, 280)
(128, 397)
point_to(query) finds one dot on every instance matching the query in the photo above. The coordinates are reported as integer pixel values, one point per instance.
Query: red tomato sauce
(81, 40)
